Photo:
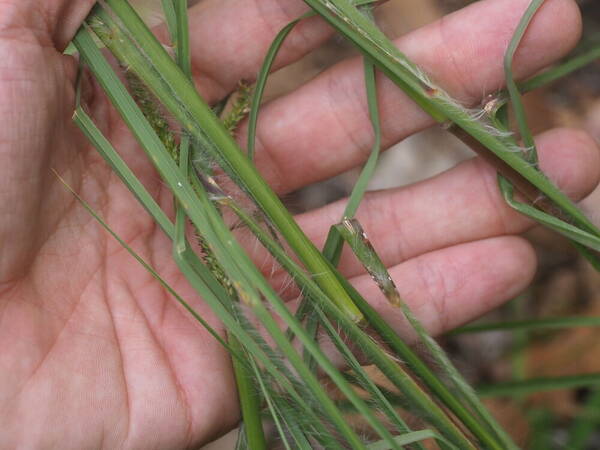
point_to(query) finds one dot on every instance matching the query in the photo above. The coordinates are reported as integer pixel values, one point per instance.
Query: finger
(230, 39)
(48, 22)
(449, 287)
(462, 52)
(460, 205)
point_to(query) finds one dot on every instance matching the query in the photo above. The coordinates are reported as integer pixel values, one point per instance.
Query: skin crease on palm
(94, 354)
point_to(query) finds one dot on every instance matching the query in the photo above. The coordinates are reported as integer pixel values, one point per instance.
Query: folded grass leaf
(511, 85)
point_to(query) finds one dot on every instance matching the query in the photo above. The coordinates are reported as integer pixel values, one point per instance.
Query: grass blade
(198, 275)
(555, 323)
(111, 156)
(585, 424)
(356, 238)
(531, 386)
(333, 246)
(199, 211)
(170, 85)
(541, 425)
(363, 378)
(268, 363)
(261, 82)
(411, 438)
(530, 148)
(150, 269)
(293, 421)
(494, 144)
(394, 373)
(171, 20)
(274, 412)
(562, 70)
(575, 234)
(511, 85)
(182, 44)
(250, 399)
(265, 70)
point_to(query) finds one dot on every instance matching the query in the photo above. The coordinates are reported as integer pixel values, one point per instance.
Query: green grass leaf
(511, 85)
(353, 234)
(586, 423)
(148, 60)
(555, 323)
(534, 385)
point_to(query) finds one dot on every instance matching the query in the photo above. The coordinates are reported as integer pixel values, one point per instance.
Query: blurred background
(564, 285)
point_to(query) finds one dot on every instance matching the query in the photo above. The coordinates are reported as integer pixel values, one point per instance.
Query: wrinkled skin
(93, 353)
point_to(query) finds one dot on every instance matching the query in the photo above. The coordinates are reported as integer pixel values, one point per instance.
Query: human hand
(94, 353)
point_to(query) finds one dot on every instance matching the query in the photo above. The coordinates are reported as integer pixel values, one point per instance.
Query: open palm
(93, 352)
